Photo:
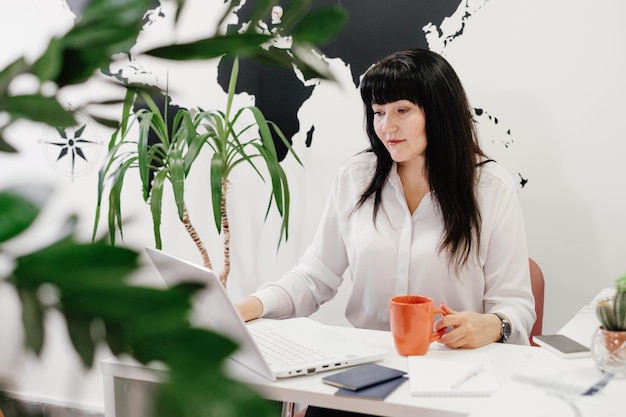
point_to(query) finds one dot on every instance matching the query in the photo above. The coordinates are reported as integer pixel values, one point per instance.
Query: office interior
(546, 80)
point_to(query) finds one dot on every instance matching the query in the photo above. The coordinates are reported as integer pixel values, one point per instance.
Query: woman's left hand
(469, 329)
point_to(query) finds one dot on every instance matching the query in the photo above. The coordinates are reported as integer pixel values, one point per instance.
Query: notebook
(362, 376)
(451, 373)
(261, 340)
(374, 392)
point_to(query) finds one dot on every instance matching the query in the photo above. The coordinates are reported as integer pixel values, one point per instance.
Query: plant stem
(226, 233)
(196, 238)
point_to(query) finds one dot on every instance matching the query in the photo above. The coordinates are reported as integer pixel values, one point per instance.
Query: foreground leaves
(88, 284)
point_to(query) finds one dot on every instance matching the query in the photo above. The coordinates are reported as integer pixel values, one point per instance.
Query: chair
(538, 286)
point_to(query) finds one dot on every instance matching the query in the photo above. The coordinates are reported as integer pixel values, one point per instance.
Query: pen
(467, 375)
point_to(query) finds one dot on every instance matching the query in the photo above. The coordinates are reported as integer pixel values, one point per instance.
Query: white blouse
(398, 255)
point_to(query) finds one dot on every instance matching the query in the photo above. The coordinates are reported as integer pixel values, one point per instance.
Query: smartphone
(562, 345)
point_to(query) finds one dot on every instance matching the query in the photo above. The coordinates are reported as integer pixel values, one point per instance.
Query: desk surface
(508, 360)
(546, 367)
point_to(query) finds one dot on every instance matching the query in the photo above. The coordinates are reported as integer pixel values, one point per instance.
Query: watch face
(506, 328)
(506, 331)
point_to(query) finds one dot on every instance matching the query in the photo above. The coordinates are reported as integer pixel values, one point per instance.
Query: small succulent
(612, 313)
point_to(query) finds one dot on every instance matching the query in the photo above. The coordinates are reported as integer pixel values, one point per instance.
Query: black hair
(452, 151)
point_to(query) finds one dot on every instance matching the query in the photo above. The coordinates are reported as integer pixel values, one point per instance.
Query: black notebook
(362, 376)
(379, 391)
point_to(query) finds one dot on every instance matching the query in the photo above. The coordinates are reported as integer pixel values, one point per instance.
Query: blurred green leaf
(32, 318)
(48, 66)
(120, 303)
(320, 26)
(83, 265)
(11, 71)
(4, 145)
(205, 393)
(116, 338)
(104, 28)
(236, 44)
(79, 329)
(185, 348)
(39, 108)
(20, 207)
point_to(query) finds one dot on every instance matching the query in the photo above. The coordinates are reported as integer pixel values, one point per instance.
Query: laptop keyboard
(278, 349)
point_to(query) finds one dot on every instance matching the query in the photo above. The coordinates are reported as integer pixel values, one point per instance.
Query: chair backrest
(538, 287)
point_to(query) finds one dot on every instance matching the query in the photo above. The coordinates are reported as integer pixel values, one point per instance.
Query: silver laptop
(272, 348)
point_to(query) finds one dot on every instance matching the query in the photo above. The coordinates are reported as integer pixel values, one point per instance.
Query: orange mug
(412, 318)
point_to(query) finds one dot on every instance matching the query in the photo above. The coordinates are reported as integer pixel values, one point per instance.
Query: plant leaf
(156, 203)
(235, 44)
(216, 189)
(177, 177)
(79, 330)
(11, 71)
(32, 318)
(319, 26)
(20, 207)
(39, 108)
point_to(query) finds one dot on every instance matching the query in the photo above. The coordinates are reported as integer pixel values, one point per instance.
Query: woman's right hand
(251, 308)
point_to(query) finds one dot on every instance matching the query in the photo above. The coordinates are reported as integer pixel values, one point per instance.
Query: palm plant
(170, 157)
(89, 283)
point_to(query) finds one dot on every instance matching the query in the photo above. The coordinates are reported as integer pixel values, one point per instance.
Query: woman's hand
(470, 329)
(249, 309)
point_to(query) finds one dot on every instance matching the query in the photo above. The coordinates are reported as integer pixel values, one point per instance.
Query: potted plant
(609, 341)
(165, 153)
(89, 283)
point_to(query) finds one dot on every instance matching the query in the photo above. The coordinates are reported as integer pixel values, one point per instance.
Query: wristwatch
(505, 331)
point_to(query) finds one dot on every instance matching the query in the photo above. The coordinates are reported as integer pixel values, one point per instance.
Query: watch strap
(505, 329)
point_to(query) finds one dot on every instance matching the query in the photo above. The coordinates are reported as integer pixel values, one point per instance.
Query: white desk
(507, 360)
(516, 398)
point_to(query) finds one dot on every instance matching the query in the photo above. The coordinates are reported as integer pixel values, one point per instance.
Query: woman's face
(401, 126)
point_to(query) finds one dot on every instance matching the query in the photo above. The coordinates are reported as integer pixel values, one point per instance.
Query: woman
(422, 211)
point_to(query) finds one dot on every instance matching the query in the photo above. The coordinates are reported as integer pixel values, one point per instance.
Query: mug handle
(438, 334)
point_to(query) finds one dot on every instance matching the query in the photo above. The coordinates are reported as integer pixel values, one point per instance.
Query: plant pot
(608, 349)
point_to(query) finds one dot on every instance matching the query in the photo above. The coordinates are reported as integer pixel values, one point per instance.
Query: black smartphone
(562, 345)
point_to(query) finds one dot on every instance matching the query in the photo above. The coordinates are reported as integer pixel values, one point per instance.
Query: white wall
(550, 71)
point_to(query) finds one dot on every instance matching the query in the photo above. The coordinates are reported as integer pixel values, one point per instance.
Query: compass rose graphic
(72, 151)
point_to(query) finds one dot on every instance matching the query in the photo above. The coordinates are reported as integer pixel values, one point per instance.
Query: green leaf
(208, 393)
(185, 347)
(4, 145)
(115, 198)
(156, 202)
(321, 25)
(116, 338)
(20, 207)
(286, 142)
(48, 66)
(32, 318)
(235, 44)
(216, 189)
(72, 266)
(79, 329)
(11, 71)
(39, 108)
(143, 160)
(177, 177)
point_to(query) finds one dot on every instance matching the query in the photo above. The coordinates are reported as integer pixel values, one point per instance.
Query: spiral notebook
(449, 374)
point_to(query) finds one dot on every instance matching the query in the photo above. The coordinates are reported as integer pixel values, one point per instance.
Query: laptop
(262, 341)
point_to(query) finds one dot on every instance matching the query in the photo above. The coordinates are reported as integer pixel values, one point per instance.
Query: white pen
(467, 375)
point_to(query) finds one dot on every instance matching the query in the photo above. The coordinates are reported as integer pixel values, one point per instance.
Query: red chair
(538, 286)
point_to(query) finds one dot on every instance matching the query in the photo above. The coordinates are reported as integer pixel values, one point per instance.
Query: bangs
(389, 82)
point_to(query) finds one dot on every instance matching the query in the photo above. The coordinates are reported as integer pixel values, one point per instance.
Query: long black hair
(452, 151)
